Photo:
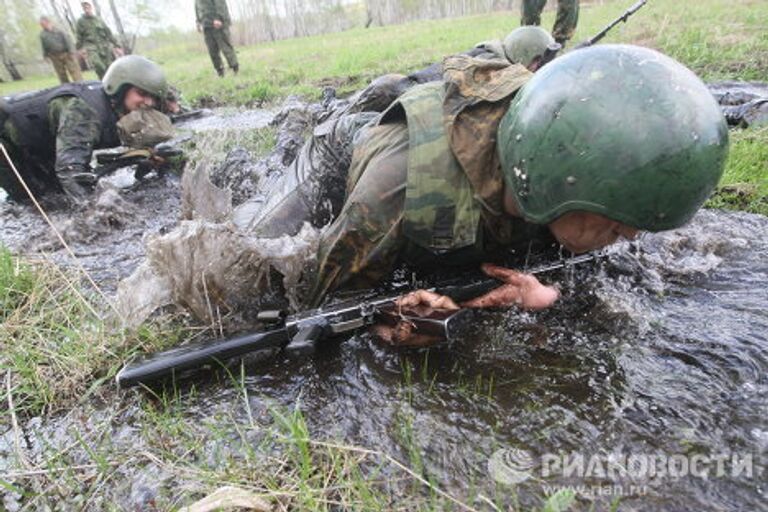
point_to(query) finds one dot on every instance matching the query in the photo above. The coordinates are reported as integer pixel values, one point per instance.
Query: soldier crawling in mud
(462, 171)
(95, 41)
(50, 134)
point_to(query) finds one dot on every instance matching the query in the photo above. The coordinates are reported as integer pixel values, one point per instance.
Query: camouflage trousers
(565, 22)
(218, 42)
(99, 58)
(66, 63)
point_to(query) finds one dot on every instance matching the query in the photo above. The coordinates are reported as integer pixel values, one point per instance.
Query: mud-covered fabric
(364, 242)
(565, 22)
(55, 41)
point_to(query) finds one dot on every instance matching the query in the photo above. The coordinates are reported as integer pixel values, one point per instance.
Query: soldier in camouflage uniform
(565, 22)
(214, 21)
(463, 171)
(59, 49)
(50, 134)
(95, 40)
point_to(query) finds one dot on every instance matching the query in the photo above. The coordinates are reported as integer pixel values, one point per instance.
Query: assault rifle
(158, 158)
(186, 115)
(302, 330)
(552, 51)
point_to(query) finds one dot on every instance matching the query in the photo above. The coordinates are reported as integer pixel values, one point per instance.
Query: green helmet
(524, 44)
(617, 130)
(137, 71)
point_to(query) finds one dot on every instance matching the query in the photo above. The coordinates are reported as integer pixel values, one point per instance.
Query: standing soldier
(565, 22)
(214, 21)
(95, 41)
(59, 49)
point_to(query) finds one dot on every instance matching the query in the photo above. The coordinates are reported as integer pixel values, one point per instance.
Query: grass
(58, 353)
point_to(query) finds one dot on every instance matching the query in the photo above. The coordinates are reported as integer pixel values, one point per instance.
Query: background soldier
(565, 22)
(213, 19)
(95, 41)
(59, 49)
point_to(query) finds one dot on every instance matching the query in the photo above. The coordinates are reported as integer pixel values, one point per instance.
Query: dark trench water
(660, 351)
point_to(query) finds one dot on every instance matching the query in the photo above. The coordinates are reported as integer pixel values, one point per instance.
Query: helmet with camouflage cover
(524, 44)
(616, 130)
(137, 71)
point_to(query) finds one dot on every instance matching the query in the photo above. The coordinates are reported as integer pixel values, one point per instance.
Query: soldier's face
(136, 99)
(46, 24)
(584, 231)
(87, 9)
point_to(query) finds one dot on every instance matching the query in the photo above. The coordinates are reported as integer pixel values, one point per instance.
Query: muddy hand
(404, 333)
(519, 289)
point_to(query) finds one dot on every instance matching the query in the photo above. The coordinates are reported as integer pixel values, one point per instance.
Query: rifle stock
(309, 327)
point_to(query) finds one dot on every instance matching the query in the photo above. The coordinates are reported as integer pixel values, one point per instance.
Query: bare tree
(8, 62)
(124, 41)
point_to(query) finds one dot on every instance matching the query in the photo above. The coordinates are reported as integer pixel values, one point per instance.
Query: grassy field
(57, 352)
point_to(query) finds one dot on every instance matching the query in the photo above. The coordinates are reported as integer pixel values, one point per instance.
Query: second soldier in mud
(50, 135)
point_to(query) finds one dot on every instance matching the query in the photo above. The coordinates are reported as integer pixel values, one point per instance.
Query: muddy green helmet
(618, 130)
(137, 71)
(524, 44)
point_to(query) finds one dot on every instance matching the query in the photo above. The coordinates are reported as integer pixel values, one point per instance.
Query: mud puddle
(107, 234)
(659, 351)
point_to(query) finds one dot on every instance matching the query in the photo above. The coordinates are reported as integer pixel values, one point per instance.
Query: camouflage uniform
(95, 37)
(425, 184)
(58, 48)
(217, 40)
(565, 22)
(60, 144)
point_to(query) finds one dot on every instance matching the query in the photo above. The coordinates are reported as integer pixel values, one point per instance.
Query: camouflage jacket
(389, 208)
(208, 10)
(56, 41)
(92, 31)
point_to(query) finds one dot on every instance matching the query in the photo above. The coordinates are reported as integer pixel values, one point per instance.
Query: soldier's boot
(220, 72)
(236, 68)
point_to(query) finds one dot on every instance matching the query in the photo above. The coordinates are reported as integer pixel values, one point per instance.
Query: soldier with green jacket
(565, 22)
(463, 171)
(50, 135)
(95, 41)
(59, 49)
(214, 21)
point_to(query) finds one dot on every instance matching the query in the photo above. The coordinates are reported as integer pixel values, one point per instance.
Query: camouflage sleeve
(198, 14)
(77, 132)
(43, 45)
(68, 42)
(362, 245)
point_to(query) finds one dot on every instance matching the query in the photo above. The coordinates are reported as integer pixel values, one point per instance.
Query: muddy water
(662, 350)
(107, 235)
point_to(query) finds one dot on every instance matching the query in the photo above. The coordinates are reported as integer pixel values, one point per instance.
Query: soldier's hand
(118, 52)
(199, 27)
(217, 24)
(418, 303)
(520, 289)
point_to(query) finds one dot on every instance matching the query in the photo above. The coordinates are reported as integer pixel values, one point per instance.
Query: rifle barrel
(163, 364)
